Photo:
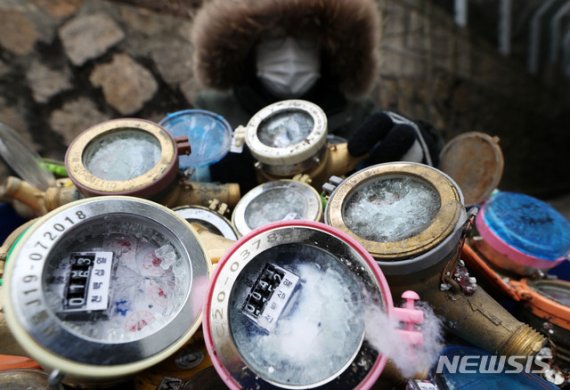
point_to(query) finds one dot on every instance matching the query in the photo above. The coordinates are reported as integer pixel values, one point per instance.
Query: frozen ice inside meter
(122, 155)
(116, 279)
(296, 315)
(274, 205)
(285, 129)
(390, 209)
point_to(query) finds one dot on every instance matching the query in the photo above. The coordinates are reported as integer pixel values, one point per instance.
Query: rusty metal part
(475, 161)
(477, 318)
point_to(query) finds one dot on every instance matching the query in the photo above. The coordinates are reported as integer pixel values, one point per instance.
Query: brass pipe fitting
(22, 191)
(197, 193)
(214, 245)
(336, 161)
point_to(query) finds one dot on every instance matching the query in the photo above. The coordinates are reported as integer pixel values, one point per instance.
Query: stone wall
(66, 65)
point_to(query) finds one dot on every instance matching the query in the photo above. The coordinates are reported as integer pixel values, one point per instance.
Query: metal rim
(225, 356)
(202, 213)
(293, 154)
(313, 202)
(442, 225)
(41, 339)
(146, 184)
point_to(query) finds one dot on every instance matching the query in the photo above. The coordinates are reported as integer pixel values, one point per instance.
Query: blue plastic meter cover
(209, 135)
(528, 225)
(492, 372)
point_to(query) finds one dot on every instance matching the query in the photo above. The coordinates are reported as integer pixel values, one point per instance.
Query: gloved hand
(236, 168)
(386, 136)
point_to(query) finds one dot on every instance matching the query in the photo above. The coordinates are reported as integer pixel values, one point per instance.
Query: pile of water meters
(130, 273)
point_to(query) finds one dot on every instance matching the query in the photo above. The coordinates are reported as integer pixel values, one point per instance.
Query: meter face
(296, 315)
(277, 204)
(554, 292)
(122, 155)
(286, 128)
(117, 279)
(390, 209)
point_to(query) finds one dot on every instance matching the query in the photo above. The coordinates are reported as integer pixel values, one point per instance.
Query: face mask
(287, 67)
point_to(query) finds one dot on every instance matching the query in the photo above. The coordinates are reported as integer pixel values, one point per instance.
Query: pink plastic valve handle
(410, 316)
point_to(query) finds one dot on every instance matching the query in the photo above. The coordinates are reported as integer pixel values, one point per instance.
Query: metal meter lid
(211, 220)
(475, 161)
(524, 228)
(106, 286)
(287, 309)
(276, 201)
(23, 160)
(124, 157)
(396, 210)
(209, 134)
(287, 132)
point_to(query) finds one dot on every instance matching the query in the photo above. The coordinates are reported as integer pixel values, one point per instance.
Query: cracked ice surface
(285, 129)
(390, 209)
(122, 155)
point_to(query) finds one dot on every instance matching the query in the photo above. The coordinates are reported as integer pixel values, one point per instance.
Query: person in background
(251, 53)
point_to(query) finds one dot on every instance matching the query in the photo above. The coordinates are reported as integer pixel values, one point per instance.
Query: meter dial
(120, 279)
(285, 134)
(287, 309)
(276, 201)
(396, 210)
(124, 157)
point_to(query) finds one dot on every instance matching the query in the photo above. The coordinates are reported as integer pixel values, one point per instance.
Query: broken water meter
(276, 201)
(105, 287)
(209, 134)
(125, 157)
(412, 220)
(211, 218)
(287, 309)
(289, 138)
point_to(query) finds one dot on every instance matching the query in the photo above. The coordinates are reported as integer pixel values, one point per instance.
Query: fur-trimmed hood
(225, 32)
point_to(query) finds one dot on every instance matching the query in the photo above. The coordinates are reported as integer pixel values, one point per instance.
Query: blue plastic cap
(528, 225)
(209, 134)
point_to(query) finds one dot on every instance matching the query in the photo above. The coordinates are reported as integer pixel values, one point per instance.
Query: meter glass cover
(23, 160)
(296, 315)
(390, 209)
(209, 134)
(274, 205)
(554, 292)
(116, 279)
(122, 155)
(286, 128)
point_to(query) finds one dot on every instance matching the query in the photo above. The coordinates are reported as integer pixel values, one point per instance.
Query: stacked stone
(66, 65)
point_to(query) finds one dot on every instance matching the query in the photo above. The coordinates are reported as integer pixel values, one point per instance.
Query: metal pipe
(461, 7)
(504, 28)
(555, 32)
(534, 39)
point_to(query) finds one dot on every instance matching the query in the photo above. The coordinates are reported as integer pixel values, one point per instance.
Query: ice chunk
(276, 205)
(320, 331)
(392, 209)
(122, 155)
(285, 129)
